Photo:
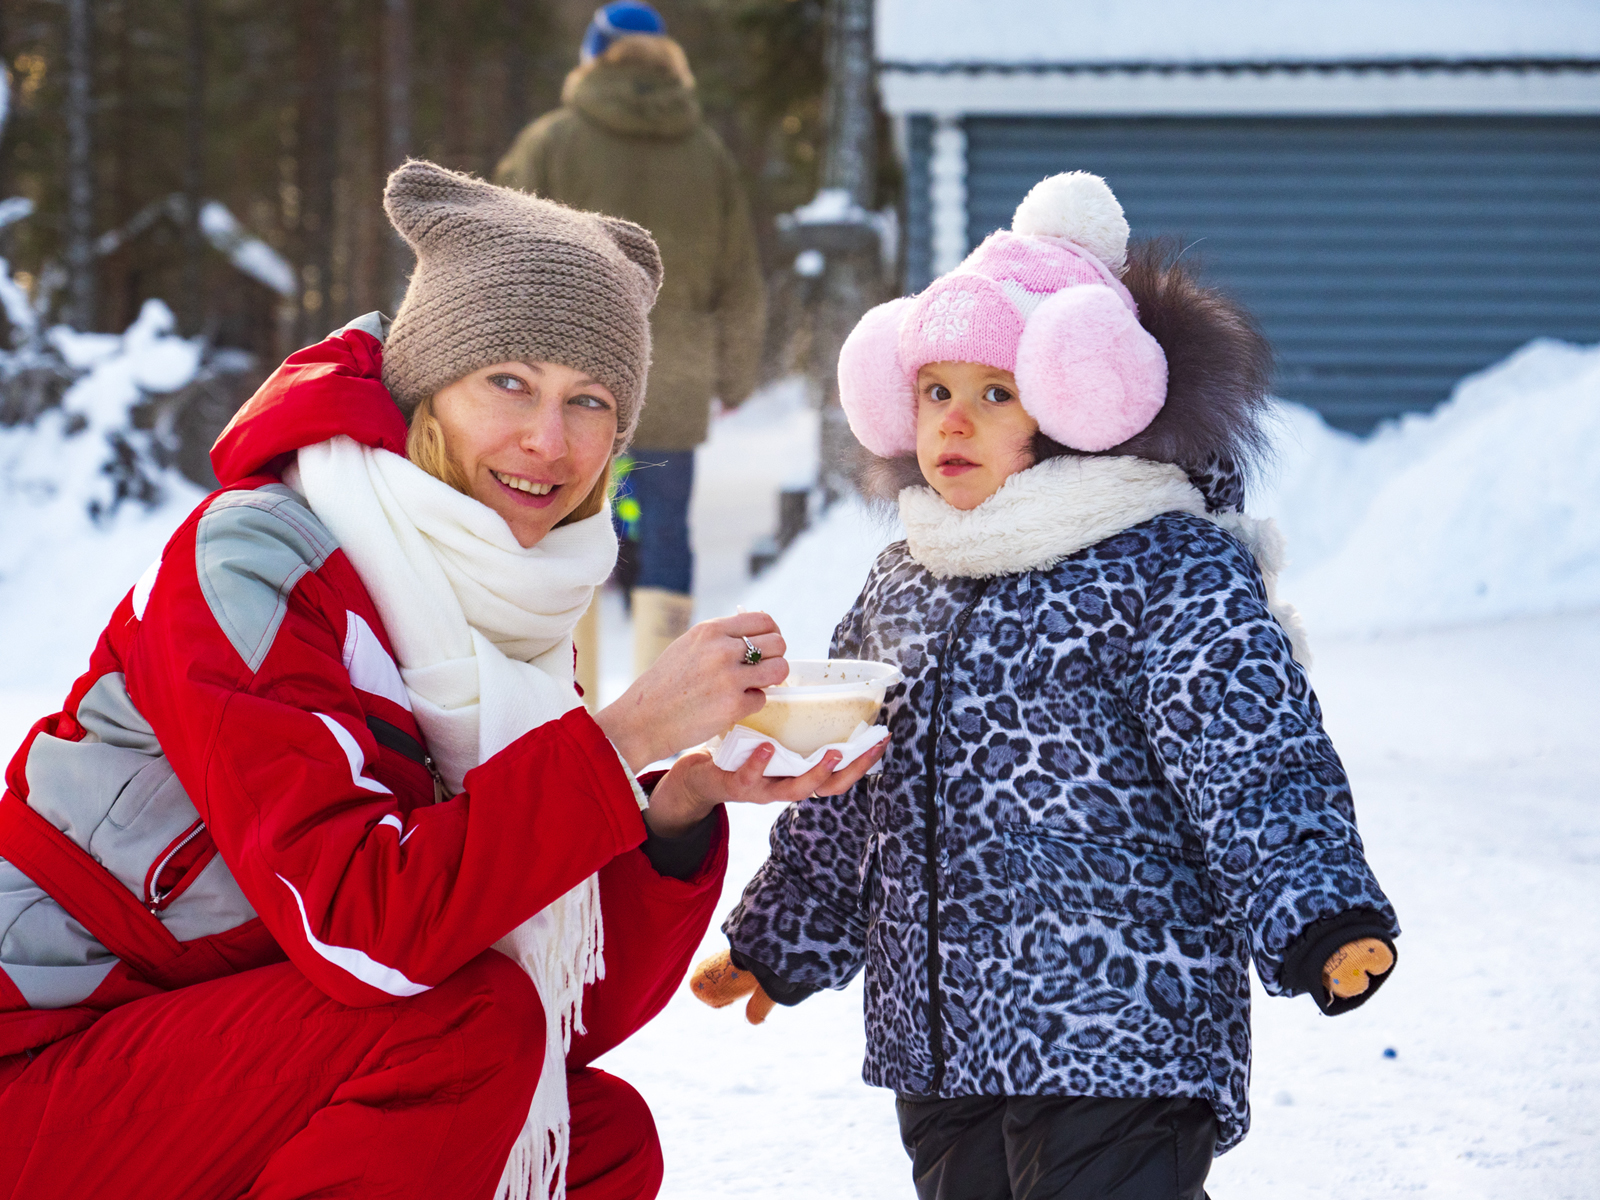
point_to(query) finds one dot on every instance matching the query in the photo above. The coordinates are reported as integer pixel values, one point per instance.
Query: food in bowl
(822, 701)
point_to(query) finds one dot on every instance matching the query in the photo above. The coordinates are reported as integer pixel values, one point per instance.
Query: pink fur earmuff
(1041, 300)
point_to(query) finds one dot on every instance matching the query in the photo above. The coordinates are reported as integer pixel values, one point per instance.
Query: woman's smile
(538, 495)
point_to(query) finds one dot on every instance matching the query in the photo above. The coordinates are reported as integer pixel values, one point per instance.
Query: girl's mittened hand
(717, 982)
(1347, 971)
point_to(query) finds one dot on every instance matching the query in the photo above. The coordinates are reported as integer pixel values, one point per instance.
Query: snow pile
(1486, 508)
(70, 544)
(820, 574)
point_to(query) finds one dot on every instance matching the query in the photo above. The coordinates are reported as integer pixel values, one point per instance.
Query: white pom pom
(1077, 206)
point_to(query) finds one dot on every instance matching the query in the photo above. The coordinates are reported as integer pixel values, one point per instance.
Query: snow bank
(1486, 508)
(821, 573)
(62, 571)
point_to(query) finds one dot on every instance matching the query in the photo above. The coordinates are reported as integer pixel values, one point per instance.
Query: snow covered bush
(70, 541)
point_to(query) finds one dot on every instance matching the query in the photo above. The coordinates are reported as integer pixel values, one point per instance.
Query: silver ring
(751, 655)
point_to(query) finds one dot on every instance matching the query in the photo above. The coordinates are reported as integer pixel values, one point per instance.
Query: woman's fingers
(749, 776)
(743, 624)
(846, 778)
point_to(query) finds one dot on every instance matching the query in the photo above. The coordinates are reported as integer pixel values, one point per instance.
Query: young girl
(1107, 787)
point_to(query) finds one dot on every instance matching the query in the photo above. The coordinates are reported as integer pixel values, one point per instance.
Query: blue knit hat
(612, 21)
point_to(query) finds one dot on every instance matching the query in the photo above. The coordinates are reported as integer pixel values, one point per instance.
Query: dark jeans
(661, 481)
(1057, 1147)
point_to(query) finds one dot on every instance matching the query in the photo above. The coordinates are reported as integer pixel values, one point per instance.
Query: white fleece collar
(1041, 515)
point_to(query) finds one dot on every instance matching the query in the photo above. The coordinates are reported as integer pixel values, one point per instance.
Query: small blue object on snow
(1389, 1052)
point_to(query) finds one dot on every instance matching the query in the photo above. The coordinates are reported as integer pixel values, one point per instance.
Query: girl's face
(971, 430)
(530, 439)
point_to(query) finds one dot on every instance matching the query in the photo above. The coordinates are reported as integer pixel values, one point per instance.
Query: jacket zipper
(930, 829)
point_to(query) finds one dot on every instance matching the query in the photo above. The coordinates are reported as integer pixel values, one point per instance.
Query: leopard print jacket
(1107, 789)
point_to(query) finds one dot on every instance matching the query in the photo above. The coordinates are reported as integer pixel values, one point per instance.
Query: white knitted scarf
(482, 629)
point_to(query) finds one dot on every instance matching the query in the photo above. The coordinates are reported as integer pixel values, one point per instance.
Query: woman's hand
(695, 785)
(700, 686)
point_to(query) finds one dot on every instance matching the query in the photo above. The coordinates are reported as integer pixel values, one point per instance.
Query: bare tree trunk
(397, 128)
(80, 166)
(316, 150)
(853, 278)
(519, 70)
(194, 166)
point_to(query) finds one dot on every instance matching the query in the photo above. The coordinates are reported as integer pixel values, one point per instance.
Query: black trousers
(1057, 1147)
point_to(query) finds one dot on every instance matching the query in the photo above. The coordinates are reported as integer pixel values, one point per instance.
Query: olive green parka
(629, 141)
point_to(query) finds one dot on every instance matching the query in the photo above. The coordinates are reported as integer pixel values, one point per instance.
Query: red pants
(258, 1084)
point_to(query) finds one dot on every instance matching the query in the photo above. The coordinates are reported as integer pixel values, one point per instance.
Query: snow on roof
(934, 32)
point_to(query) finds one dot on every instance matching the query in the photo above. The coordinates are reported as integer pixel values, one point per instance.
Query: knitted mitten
(719, 983)
(1347, 971)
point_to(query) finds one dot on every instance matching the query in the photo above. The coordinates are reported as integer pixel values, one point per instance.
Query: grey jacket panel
(53, 960)
(108, 714)
(58, 987)
(115, 795)
(211, 904)
(373, 323)
(36, 931)
(251, 548)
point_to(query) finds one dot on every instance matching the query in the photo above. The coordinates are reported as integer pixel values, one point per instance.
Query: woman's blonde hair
(425, 446)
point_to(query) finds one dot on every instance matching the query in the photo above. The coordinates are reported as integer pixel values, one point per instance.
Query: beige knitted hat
(503, 276)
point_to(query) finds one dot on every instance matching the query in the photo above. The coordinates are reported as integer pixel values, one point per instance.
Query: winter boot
(586, 640)
(660, 617)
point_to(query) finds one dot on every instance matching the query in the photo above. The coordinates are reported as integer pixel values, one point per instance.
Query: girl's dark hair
(1219, 369)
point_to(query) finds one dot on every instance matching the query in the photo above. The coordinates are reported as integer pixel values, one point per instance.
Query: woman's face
(972, 432)
(530, 438)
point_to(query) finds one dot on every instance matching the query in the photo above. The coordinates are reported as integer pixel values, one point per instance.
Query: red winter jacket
(238, 775)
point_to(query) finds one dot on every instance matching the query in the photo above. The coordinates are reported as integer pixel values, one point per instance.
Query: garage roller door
(1386, 258)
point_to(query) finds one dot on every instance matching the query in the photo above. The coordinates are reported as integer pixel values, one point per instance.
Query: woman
(335, 724)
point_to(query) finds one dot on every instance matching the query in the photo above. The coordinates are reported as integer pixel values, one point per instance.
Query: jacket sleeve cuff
(786, 994)
(680, 857)
(1304, 959)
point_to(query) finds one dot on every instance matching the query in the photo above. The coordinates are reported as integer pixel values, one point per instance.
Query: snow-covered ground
(1449, 568)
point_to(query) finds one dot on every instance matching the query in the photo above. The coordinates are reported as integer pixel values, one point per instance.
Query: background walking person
(629, 141)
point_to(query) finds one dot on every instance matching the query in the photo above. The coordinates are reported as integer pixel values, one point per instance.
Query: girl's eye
(509, 383)
(996, 394)
(939, 392)
(585, 400)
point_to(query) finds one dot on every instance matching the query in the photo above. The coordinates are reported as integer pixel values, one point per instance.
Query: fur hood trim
(652, 53)
(1040, 516)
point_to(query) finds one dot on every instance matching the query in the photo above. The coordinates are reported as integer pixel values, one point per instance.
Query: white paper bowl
(822, 701)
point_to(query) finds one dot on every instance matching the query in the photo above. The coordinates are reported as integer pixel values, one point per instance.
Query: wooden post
(193, 301)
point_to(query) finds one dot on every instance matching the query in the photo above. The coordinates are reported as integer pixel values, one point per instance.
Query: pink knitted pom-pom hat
(1041, 300)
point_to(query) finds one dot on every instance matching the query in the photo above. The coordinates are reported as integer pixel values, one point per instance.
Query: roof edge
(1244, 66)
